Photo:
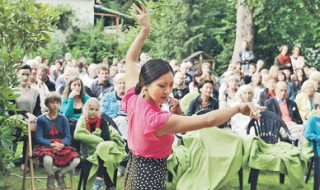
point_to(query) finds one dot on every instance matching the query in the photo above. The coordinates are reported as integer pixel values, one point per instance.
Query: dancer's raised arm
(132, 73)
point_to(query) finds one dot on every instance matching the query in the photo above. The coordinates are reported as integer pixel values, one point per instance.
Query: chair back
(268, 127)
(203, 111)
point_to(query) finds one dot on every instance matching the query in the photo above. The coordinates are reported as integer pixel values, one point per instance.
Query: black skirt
(145, 173)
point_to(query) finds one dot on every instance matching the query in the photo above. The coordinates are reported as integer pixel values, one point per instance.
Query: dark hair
(25, 66)
(67, 89)
(197, 73)
(205, 82)
(52, 97)
(150, 71)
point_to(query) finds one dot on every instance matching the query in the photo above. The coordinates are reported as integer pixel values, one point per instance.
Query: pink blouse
(144, 118)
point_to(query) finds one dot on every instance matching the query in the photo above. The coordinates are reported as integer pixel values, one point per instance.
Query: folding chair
(29, 160)
(314, 163)
(268, 129)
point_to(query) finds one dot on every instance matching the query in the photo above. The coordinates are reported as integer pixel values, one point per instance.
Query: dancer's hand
(251, 110)
(142, 16)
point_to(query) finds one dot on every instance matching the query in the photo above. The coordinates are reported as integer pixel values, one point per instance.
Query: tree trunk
(244, 30)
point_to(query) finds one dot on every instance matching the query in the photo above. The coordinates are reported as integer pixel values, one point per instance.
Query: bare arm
(131, 74)
(181, 124)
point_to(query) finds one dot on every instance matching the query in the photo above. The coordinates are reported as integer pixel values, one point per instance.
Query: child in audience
(53, 137)
(104, 144)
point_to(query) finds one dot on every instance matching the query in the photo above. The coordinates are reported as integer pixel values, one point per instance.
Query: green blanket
(111, 152)
(211, 157)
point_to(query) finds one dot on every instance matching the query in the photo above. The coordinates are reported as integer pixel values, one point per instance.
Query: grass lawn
(267, 181)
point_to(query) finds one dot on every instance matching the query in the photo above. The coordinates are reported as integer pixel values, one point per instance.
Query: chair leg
(115, 176)
(316, 184)
(307, 176)
(240, 174)
(254, 174)
(281, 178)
(71, 181)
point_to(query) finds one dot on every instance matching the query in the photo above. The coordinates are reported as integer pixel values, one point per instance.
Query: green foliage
(182, 27)
(66, 16)
(24, 27)
(286, 22)
(93, 43)
(54, 50)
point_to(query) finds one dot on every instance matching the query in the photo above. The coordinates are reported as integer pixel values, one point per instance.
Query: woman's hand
(31, 118)
(74, 93)
(142, 16)
(251, 110)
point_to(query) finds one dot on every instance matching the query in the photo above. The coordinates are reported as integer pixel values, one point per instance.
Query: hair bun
(138, 89)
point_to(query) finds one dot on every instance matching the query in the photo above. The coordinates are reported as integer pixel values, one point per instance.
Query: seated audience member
(38, 84)
(43, 76)
(61, 82)
(287, 110)
(204, 101)
(260, 65)
(54, 139)
(179, 88)
(283, 59)
(102, 84)
(184, 70)
(257, 86)
(73, 99)
(173, 64)
(92, 74)
(269, 91)
(298, 79)
(305, 99)
(110, 104)
(312, 129)
(81, 67)
(28, 104)
(105, 148)
(56, 69)
(315, 76)
(283, 77)
(239, 122)
(194, 84)
(227, 95)
(297, 60)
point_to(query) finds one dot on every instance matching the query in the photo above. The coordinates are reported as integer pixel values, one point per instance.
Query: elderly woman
(204, 101)
(239, 122)
(305, 99)
(110, 104)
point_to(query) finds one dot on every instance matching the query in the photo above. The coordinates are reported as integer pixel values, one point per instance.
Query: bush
(93, 43)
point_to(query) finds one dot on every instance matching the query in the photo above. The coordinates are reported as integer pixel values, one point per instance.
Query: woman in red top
(150, 129)
(283, 59)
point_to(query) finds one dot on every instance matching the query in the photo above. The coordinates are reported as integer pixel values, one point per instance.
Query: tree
(245, 29)
(24, 27)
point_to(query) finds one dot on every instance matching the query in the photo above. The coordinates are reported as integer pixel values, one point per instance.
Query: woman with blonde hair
(306, 98)
(105, 148)
(239, 122)
(179, 88)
